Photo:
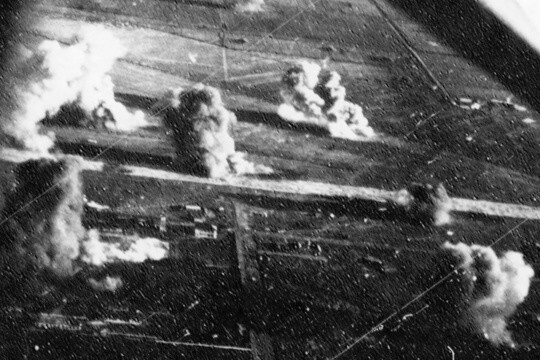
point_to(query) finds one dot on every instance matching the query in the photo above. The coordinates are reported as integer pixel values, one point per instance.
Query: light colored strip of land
(495, 209)
(241, 184)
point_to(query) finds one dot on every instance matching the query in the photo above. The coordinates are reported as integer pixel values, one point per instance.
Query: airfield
(322, 264)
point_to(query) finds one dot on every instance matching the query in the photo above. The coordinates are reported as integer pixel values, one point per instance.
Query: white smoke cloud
(318, 98)
(97, 252)
(58, 75)
(201, 129)
(240, 166)
(250, 6)
(108, 283)
(66, 226)
(495, 287)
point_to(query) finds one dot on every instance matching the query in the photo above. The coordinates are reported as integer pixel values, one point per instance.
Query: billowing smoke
(98, 252)
(495, 286)
(108, 283)
(58, 77)
(42, 232)
(426, 203)
(44, 214)
(317, 97)
(250, 6)
(201, 129)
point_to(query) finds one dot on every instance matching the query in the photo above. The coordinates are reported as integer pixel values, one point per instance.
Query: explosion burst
(317, 97)
(495, 287)
(129, 249)
(61, 77)
(426, 203)
(201, 129)
(43, 232)
(44, 214)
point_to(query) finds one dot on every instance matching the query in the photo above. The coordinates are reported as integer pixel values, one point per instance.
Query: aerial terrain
(311, 248)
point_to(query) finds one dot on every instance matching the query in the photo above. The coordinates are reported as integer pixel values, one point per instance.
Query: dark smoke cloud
(426, 203)
(493, 288)
(44, 212)
(201, 129)
(42, 239)
(19, 270)
(14, 20)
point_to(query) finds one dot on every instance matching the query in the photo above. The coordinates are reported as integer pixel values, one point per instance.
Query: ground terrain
(314, 303)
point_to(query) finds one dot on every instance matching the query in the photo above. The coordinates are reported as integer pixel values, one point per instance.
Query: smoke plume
(108, 283)
(426, 203)
(59, 77)
(317, 97)
(97, 252)
(44, 214)
(495, 286)
(201, 129)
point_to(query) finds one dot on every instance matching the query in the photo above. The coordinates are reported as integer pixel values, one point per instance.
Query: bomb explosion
(201, 130)
(494, 287)
(317, 97)
(43, 232)
(130, 249)
(67, 79)
(49, 230)
(425, 203)
(45, 244)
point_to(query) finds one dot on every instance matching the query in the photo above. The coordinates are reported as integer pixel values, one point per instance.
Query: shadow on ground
(480, 37)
